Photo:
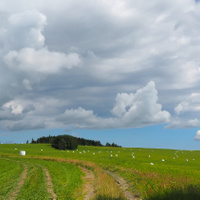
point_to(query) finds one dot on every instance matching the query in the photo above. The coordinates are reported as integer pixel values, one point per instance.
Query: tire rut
(88, 187)
(124, 187)
(49, 184)
(22, 180)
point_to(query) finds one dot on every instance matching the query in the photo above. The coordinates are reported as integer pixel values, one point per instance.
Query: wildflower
(133, 156)
(163, 160)
(116, 155)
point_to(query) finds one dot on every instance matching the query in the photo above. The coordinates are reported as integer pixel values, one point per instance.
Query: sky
(123, 71)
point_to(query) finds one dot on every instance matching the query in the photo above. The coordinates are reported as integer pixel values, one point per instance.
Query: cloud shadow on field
(189, 193)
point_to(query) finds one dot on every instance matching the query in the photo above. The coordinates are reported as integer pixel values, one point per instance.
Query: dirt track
(14, 194)
(124, 186)
(22, 179)
(88, 187)
(49, 184)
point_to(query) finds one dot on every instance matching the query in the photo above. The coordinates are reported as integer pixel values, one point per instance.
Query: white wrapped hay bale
(22, 153)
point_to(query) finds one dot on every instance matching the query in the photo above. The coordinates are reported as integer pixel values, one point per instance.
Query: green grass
(177, 177)
(9, 176)
(66, 178)
(35, 185)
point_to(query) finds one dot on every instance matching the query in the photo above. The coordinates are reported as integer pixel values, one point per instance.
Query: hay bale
(22, 153)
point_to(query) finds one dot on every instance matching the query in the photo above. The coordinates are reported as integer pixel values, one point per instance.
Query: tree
(64, 142)
(108, 144)
(33, 141)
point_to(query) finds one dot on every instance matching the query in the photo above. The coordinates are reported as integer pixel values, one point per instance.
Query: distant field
(150, 173)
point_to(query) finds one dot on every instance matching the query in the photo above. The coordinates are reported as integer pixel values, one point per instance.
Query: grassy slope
(178, 174)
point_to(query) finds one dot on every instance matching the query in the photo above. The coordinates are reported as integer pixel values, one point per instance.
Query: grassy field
(151, 173)
(9, 176)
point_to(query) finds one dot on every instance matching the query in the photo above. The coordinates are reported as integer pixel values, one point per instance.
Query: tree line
(63, 142)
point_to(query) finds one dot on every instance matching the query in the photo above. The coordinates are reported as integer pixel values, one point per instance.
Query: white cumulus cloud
(24, 46)
(190, 104)
(177, 123)
(131, 110)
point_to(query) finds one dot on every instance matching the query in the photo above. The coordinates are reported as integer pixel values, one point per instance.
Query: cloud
(51, 61)
(16, 108)
(187, 113)
(25, 126)
(197, 136)
(123, 101)
(7, 114)
(131, 110)
(29, 53)
(28, 27)
(80, 115)
(27, 84)
(183, 123)
(42, 61)
(145, 109)
(190, 104)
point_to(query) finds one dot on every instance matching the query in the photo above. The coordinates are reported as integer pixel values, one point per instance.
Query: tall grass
(105, 185)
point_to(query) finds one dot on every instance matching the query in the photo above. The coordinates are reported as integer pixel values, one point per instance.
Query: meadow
(151, 174)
